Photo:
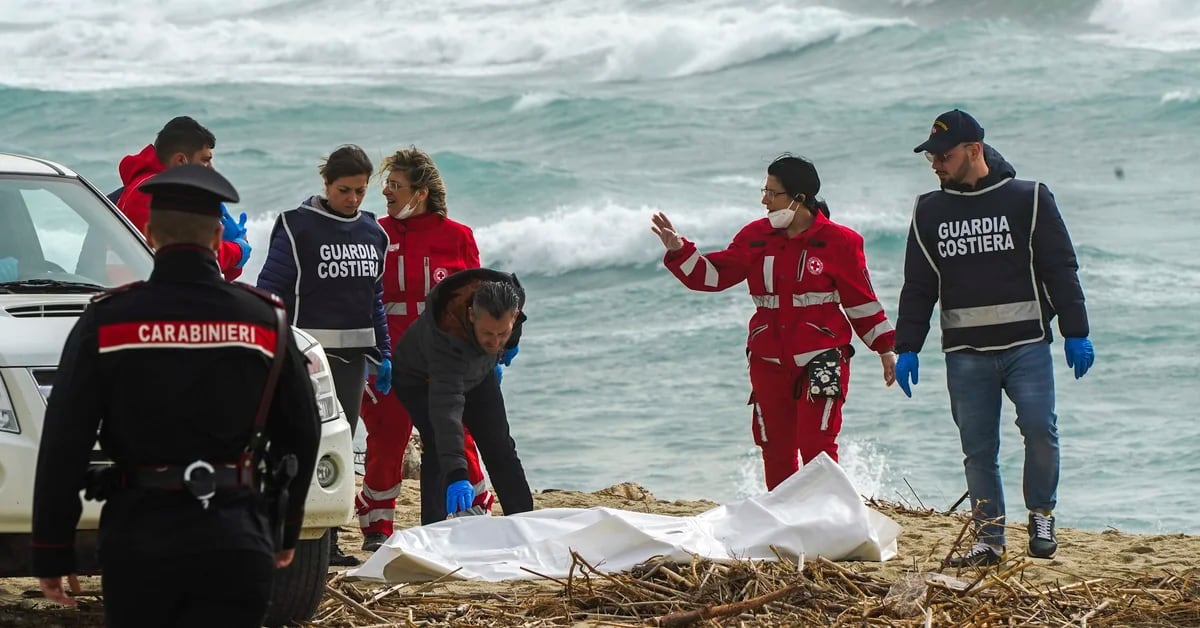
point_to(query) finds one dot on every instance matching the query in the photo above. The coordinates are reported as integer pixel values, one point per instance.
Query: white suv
(61, 241)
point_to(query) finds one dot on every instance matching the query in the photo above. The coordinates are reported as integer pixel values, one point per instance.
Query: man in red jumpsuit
(808, 278)
(181, 141)
(424, 248)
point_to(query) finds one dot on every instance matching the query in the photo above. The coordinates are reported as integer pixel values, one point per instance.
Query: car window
(59, 229)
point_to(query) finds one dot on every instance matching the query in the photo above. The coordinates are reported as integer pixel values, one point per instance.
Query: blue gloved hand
(234, 229)
(459, 496)
(1080, 355)
(9, 269)
(906, 368)
(245, 252)
(499, 374)
(383, 377)
(506, 358)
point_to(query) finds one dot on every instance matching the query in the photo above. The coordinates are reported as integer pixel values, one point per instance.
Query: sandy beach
(927, 536)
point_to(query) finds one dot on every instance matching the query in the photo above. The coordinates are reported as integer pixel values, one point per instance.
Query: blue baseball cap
(949, 130)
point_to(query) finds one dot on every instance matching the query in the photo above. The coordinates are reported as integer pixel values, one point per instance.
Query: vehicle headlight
(322, 383)
(327, 472)
(8, 416)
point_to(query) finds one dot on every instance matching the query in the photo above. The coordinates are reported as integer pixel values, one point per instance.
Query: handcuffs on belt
(200, 479)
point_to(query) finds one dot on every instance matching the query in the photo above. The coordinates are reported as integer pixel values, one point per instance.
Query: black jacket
(1000, 260)
(170, 371)
(439, 352)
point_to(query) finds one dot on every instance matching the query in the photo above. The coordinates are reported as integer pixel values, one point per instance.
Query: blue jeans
(1026, 375)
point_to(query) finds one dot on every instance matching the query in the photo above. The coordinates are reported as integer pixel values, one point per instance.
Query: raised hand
(662, 227)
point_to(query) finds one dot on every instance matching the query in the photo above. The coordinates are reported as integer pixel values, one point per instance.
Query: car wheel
(299, 587)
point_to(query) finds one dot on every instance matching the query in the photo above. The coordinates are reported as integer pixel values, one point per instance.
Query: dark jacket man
(444, 374)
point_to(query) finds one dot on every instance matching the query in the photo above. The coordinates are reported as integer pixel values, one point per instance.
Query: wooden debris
(751, 594)
(660, 592)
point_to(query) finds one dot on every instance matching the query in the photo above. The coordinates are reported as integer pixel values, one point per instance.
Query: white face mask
(781, 218)
(407, 211)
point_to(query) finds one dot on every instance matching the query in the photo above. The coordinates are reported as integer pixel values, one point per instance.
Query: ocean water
(561, 126)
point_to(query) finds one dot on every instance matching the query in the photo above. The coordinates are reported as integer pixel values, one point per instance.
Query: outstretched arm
(708, 272)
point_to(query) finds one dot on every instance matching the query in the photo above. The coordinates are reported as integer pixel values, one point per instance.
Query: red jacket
(805, 288)
(135, 204)
(422, 251)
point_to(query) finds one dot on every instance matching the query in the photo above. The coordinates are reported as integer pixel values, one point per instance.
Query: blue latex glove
(245, 251)
(234, 229)
(906, 368)
(383, 377)
(506, 358)
(499, 374)
(1080, 355)
(459, 496)
(9, 269)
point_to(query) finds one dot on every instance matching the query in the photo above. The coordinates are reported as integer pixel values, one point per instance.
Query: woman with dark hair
(808, 278)
(326, 263)
(426, 247)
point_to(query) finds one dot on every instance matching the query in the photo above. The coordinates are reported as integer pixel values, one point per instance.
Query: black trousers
(229, 589)
(349, 379)
(484, 415)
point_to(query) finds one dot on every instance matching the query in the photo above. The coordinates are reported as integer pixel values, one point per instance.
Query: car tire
(299, 587)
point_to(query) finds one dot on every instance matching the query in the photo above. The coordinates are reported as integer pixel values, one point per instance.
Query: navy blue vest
(980, 245)
(339, 263)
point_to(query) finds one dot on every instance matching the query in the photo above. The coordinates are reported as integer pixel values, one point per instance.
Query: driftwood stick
(724, 610)
(429, 585)
(384, 593)
(1092, 613)
(543, 576)
(842, 574)
(359, 608)
(676, 578)
(962, 499)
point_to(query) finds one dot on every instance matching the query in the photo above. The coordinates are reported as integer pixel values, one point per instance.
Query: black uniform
(171, 371)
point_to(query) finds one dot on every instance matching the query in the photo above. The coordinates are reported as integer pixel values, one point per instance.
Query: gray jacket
(439, 353)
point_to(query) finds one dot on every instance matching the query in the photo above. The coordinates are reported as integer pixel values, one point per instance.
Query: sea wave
(611, 235)
(1164, 25)
(70, 46)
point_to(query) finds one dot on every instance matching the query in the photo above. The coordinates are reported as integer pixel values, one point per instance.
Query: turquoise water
(561, 126)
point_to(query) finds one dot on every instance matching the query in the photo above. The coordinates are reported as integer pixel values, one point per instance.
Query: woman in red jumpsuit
(808, 278)
(424, 248)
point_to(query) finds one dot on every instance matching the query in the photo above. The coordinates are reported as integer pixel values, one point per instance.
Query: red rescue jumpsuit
(805, 288)
(422, 251)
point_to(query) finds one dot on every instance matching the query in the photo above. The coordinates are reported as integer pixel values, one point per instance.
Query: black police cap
(192, 188)
(949, 130)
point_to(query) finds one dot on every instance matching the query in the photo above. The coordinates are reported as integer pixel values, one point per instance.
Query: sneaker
(980, 555)
(373, 541)
(1042, 541)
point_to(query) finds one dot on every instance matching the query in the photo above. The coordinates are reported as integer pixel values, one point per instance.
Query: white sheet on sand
(816, 512)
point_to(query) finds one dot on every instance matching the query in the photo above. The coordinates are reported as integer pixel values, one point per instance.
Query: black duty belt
(200, 478)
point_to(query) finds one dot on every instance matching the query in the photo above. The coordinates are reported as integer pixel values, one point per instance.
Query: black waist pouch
(824, 375)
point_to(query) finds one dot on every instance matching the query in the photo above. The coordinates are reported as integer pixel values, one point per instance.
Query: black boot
(372, 541)
(336, 557)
